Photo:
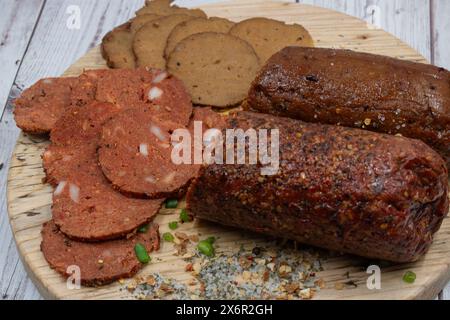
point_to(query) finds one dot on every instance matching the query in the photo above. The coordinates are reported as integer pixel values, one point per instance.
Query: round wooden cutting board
(29, 199)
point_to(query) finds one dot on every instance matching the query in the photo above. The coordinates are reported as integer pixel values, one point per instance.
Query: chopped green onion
(143, 229)
(184, 216)
(409, 277)
(206, 248)
(141, 253)
(173, 225)
(171, 203)
(168, 237)
(211, 239)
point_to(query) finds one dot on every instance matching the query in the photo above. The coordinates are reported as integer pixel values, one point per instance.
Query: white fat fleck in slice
(74, 192)
(155, 93)
(169, 178)
(165, 145)
(60, 188)
(160, 77)
(158, 132)
(47, 81)
(143, 149)
(150, 179)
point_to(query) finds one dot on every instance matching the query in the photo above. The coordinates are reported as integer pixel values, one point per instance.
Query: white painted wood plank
(406, 19)
(440, 36)
(14, 283)
(16, 26)
(53, 48)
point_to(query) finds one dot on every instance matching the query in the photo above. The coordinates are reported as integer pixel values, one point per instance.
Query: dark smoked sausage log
(350, 190)
(357, 90)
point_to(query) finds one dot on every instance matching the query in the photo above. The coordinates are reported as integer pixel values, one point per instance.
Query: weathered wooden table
(41, 38)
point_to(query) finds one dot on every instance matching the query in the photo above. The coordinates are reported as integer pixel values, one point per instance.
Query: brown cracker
(268, 36)
(217, 69)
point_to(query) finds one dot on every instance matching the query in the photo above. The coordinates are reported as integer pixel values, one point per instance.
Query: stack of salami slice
(110, 163)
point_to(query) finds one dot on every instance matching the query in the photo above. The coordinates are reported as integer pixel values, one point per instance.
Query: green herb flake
(168, 237)
(173, 225)
(171, 203)
(211, 239)
(141, 253)
(184, 216)
(143, 229)
(409, 277)
(205, 247)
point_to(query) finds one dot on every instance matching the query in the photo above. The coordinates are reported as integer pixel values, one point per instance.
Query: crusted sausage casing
(356, 89)
(350, 190)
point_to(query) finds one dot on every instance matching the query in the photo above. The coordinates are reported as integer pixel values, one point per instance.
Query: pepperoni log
(350, 190)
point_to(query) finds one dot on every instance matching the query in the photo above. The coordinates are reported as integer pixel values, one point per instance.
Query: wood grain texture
(16, 28)
(406, 19)
(29, 200)
(440, 36)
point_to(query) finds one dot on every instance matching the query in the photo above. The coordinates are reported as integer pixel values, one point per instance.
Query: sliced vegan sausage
(87, 208)
(38, 107)
(81, 125)
(157, 89)
(95, 263)
(345, 189)
(135, 155)
(85, 205)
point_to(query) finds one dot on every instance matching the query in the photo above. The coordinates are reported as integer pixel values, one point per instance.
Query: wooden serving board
(29, 199)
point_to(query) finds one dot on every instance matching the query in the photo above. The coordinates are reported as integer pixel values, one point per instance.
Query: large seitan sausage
(351, 190)
(357, 90)
(97, 263)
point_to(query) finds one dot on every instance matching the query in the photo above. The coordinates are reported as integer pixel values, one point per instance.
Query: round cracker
(150, 40)
(268, 36)
(117, 48)
(217, 69)
(187, 28)
(139, 21)
(164, 8)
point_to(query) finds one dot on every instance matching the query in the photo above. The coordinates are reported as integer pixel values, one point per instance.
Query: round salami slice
(85, 205)
(164, 94)
(169, 98)
(82, 125)
(87, 208)
(95, 263)
(86, 88)
(39, 106)
(60, 162)
(136, 156)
